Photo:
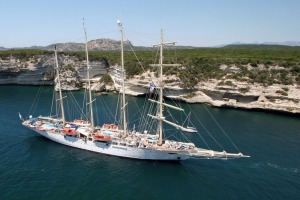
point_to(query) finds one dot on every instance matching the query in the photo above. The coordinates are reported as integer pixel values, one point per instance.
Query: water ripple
(274, 166)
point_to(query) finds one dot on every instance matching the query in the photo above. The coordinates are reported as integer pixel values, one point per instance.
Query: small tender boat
(189, 129)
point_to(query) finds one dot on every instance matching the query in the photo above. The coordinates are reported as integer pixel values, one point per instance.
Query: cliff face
(103, 44)
(239, 94)
(69, 80)
(34, 71)
(40, 70)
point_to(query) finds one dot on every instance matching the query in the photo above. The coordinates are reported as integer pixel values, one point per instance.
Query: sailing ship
(116, 140)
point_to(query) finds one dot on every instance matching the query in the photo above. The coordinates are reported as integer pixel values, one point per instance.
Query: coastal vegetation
(49, 75)
(281, 63)
(264, 64)
(22, 54)
(106, 79)
(68, 68)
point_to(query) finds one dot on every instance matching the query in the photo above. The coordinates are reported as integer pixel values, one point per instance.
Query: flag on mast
(152, 87)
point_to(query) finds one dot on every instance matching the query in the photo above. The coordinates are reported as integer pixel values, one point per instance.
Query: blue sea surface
(33, 167)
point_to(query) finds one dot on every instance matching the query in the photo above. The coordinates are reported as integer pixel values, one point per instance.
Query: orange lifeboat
(101, 137)
(69, 131)
(110, 126)
(115, 127)
(80, 121)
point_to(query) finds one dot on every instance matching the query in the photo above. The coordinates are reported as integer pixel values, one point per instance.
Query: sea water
(33, 167)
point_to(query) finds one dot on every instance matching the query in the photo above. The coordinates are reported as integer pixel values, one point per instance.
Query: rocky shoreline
(275, 98)
(39, 70)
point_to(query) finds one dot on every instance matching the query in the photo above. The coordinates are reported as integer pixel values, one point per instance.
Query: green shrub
(285, 89)
(244, 90)
(106, 79)
(283, 93)
(68, 68)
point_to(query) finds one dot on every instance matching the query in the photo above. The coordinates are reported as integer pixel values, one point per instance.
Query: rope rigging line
(82, 115)
(143, 120)
(96, 108)
(68, 108)
(186, 118)
(208, 132)
(52, 103)
(84, 102)
(136, 113)
(117, 109)
(153, 108)
(136, 56)
(223, 131)
(146, 123)
(147, 106)
(107, 111)
(67, 105)
(177, 138)
(173, 118)
(35, 101)
(57, 105)
(143, 69)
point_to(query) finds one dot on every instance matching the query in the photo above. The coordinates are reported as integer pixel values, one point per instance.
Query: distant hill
(286, 43)
(93, 45)
(103, 44)
(106, 44)
(260, 46)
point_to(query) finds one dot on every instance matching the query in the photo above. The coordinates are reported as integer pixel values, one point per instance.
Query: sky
(197, 23)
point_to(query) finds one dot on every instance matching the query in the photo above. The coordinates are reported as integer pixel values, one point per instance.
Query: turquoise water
(33, 167)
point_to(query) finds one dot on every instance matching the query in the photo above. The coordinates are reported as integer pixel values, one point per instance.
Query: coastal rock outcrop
(34, 71)
(39, 70)
(238, 94)
(69, 80)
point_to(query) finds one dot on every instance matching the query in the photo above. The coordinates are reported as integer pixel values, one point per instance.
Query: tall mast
(123, 80)
(88, 77)
(160, 122)
(59, 89)
(160, 116)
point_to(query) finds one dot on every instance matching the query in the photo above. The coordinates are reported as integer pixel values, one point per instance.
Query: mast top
(119, 22)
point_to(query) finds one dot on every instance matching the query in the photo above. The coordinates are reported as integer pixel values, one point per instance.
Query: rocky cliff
(39, 69)
(34, 71)
(239, 94)
(103, 44)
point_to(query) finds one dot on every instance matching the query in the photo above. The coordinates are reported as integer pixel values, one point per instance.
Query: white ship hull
(116, 150)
